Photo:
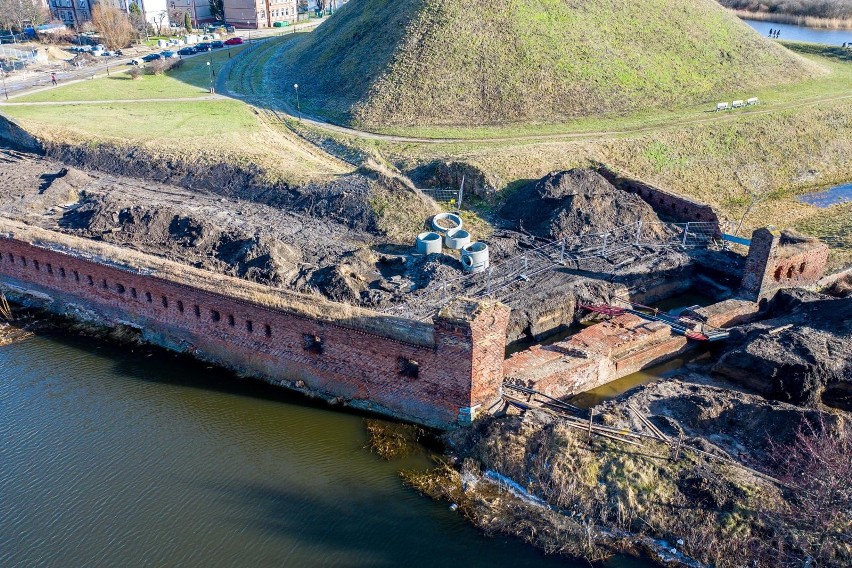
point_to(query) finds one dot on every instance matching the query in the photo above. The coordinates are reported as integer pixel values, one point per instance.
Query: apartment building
(257, 14)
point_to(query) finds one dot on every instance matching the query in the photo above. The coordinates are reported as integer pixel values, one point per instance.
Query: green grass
(142, 122)
(191, 79)
(526, 61)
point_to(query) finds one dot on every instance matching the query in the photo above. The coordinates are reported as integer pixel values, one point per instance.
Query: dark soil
(807, 363)
(576, 202)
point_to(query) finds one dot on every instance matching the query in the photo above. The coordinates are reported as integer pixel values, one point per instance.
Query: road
(241, 68)
(15, 86)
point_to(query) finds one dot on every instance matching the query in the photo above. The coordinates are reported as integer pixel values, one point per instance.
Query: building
(256, 14)
(72, 13)
(156, 12)
(198, 10)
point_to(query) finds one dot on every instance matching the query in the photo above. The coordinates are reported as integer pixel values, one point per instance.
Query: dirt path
(246, 65)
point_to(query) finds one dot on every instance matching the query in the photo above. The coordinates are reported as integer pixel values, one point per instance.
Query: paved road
(25, 85)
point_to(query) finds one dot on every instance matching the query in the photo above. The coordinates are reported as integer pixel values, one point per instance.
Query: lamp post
(298, 106)
(210, 67)
(3, 75)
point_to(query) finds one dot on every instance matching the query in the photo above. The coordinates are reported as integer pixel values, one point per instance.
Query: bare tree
(817, 468)
(113, 25)
(18, 14)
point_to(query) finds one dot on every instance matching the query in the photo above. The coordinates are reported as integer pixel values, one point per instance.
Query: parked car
(135, 61)
(234, 41)
(217, 44)
(151, 57)
(202, 47)
(188, 50)
(169, 55)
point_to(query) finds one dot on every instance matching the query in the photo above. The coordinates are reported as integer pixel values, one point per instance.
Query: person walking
(53, 79)
(771, 32)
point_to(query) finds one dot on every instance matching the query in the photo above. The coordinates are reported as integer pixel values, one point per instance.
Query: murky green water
(111, 458)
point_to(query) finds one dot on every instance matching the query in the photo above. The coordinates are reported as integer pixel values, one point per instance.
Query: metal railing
(603, 252)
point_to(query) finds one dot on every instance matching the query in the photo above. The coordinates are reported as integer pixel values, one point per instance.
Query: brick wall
(669, 204)
(781, 259)
(428, 384)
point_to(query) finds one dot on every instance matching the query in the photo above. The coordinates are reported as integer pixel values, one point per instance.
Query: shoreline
(792, 19)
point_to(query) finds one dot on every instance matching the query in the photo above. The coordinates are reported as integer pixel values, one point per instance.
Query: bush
(135, 73)
(160, 66)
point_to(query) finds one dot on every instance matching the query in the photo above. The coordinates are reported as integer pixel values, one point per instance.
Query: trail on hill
(444, 62)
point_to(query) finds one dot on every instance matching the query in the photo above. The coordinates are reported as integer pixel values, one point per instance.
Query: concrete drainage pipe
(445, 222)
(457, 239)
(428, 243)
(474, 257)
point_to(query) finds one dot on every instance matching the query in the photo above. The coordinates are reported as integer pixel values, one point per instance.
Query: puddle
(828, 197)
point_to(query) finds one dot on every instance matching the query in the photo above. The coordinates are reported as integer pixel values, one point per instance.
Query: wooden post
(677, 448)
(591, 415)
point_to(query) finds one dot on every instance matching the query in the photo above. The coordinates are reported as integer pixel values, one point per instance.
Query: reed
(5, 309)
(796, 20)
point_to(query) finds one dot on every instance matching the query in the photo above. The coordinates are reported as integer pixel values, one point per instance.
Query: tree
(817, 470)
(137, 21)
(18, 14)
(187, 22)
(217, 9)
(113, 25)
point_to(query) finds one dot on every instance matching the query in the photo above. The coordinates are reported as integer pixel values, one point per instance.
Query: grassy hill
(418, 62)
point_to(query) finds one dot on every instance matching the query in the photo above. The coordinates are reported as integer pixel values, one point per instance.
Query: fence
(603, 252)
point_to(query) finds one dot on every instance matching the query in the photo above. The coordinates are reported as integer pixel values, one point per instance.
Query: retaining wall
(664, 202)
(432, 383)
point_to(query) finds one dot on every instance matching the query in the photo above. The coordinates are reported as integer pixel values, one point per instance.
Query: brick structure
(432, 375)
(666, 203)
(781, 259)
(597, 355)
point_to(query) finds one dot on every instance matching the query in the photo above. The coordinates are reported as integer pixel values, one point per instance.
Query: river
(801, 33)
(118, 458)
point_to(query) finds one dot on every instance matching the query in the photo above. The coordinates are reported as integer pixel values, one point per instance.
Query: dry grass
(543, 61)
(797, 20)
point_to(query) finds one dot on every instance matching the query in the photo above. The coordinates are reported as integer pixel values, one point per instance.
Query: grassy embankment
(798, 139)
(542, 62)
(195, 131)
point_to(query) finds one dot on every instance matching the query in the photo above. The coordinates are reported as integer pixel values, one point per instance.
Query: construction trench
(559, 307)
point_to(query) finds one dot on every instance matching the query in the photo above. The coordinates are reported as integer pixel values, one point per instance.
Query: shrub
(135, 73)
(160, 66)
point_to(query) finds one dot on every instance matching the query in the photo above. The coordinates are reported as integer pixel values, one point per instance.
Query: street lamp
(210, 67)
(3, 75)
(298, 106)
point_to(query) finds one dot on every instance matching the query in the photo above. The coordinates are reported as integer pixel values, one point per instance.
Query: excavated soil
(349, 238)
(577, 202)
(801, 353)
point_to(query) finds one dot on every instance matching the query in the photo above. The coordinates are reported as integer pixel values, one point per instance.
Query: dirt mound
(719, 420)
(577, 202)
(802, 354)
(164, 231)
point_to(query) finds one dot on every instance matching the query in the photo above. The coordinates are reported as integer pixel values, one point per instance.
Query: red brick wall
(669, 204)
(425, 384)
(773, 264)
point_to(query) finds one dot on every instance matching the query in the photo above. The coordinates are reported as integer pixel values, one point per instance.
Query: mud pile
(576, 202)
(802, 353)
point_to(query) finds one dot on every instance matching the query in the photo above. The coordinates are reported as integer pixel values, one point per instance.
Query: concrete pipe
(444, 222)
(474, 257)
(428, 243)
(457, 239)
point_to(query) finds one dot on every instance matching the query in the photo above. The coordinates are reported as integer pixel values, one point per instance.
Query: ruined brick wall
(674, 206)
(779, 260)
(428, 384)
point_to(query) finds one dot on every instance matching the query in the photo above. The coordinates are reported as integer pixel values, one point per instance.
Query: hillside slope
(417, 62)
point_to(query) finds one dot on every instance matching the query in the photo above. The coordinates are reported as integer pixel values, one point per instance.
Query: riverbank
(796, 20)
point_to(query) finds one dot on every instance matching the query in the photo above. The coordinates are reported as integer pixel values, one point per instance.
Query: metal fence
(603, 252)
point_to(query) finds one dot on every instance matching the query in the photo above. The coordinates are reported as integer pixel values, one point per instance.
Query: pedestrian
(771, 32)
(53, 79)
(777, 34)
